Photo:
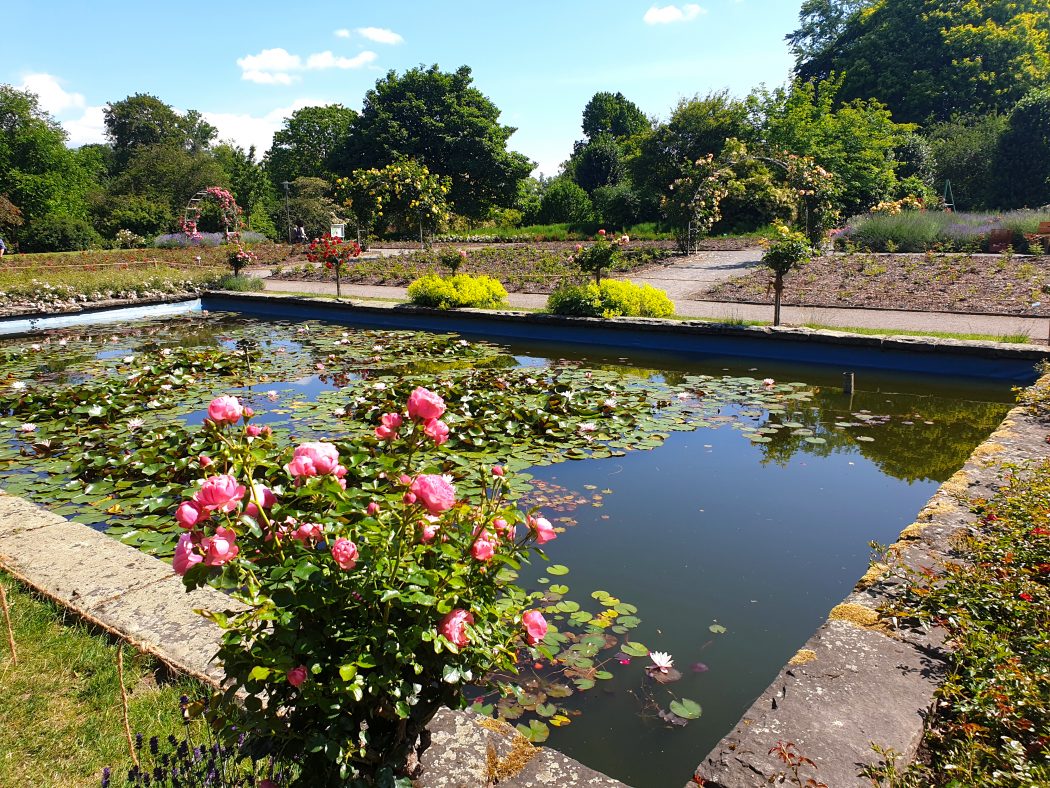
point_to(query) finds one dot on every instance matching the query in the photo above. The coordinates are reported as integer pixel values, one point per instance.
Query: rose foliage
(371, 590)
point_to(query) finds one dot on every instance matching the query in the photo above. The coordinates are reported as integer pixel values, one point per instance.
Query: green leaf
(686, 709)
(259, 673)
(634, 649)
(558, 570)
(347, 672)
(718, 629)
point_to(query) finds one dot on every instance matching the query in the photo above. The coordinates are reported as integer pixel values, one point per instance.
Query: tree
(310, 202)
(1022, 161)
(964, 151)
(698, 127)
(597, 163)
(39, 175)
(928, 59)
(305, 145)
(565, 201)
(439, 119)
(856, 141)
(612, 114)
(405, 196)
(140, 121)
(249, 184)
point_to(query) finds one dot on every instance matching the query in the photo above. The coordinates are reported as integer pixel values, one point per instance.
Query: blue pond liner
(28, 325)
(1015, 364)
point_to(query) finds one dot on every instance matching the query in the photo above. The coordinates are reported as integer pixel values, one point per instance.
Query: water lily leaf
(718, 629)
(686, 709)
(634, 649)
(536, 731)
(558, 720)
(558, 570)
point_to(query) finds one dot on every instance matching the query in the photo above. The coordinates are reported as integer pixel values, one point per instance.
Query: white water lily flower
(18, 385)
(95, 411)
(128, 359)
(380, 386)
(588, 426)
(272, 395)
(27, 427)
(661, 660)
(135, 424)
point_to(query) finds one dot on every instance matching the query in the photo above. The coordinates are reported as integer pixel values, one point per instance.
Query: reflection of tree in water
(904, 446)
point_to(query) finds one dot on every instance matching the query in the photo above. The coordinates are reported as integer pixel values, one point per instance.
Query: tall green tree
(142, 120)
(964, 151)
(39, 175)
(856, 140)
(249, 184)
(596, 163)
(304, 147)
(614, 115)
(928, 59)
(1022, 162)
(441, 120)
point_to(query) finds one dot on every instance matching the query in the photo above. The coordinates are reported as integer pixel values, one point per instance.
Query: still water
(733, 532)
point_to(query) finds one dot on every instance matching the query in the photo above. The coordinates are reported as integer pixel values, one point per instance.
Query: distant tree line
(893, 97)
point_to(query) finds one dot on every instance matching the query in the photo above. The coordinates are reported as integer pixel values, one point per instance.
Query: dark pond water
(732, 539)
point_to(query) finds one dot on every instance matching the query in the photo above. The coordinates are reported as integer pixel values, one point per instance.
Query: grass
(60, 715)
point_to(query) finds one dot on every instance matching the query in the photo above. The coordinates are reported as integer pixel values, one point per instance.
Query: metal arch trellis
(227, 205)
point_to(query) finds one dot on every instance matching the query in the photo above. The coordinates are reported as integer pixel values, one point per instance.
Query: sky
(248, 66)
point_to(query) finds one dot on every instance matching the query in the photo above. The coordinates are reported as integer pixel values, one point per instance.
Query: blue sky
(247, 70)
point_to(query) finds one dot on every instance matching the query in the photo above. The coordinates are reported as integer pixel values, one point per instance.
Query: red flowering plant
(335, 254)
(373, 589)
(239, 256)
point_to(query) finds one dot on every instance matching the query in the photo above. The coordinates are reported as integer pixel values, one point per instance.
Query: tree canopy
(612, 114)
(305, 145)
(142, 120)
(927, 59)
(440, 120)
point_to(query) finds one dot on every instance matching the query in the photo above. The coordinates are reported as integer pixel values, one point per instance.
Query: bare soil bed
(522, 268)
(988, 284)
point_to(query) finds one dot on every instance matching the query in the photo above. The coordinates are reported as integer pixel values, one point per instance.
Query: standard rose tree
(374, 590)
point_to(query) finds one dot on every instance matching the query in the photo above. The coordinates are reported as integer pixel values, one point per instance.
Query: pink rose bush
(368, 583)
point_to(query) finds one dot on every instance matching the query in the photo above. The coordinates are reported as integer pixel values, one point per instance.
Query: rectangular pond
(713, 509)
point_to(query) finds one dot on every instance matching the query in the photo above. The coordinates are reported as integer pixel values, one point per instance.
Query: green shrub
(565, 201)
(612, 298)
(58, 233)
(461, 290)
(240, 284)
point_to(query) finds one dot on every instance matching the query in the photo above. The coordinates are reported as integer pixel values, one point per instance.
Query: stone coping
(859, 680)
(138, 598)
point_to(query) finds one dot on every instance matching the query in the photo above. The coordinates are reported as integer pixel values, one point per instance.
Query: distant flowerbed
(184, 240)
(920, 231)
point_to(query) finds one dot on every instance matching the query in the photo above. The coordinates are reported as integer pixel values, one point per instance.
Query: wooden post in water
(847, 382)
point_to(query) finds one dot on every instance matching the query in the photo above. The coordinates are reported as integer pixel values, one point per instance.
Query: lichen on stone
(855, 614)
(802, 657)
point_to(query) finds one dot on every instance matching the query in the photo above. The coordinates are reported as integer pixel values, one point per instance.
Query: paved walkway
(695, 273)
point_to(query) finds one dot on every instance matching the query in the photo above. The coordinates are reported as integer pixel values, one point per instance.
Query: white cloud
(325, 60)
(53, 97)
(342, 33)
(665, 15)
(380, 35)
(247, 130)
(89, 128)
(277, 66)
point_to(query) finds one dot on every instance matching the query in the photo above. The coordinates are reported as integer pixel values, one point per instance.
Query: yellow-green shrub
(461, 290)
(612, 298)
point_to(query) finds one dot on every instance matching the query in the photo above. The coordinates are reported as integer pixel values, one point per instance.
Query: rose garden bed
(991, 284)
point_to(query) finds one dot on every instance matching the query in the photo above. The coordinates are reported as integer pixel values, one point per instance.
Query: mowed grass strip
(60, 711)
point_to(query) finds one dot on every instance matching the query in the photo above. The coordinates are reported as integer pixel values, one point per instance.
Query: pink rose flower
(430, 529)
(424, 405)
(264, 495)
(409, 498)
(307, 533)
(601, 232)
(373, 509)
(225, 410)
(316, 459)
(204, 460)
(296, 676)
(453, 626)
(220, 549)
(436, 493)
(535, 626)
(497, 470)
(503, 528)
(189, 514)
(484, 547)
(345, 553)
(543, 528)
(219, 493)
(253, 430)
(185, 555)
(437, 431)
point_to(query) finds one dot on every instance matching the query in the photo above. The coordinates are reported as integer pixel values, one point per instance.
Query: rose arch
(227, 206)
